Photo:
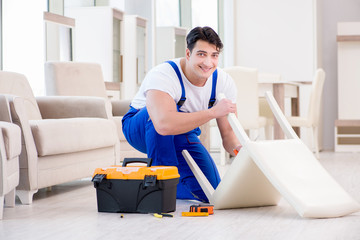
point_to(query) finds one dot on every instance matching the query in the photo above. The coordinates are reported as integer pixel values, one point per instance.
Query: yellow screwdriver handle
(194, 214)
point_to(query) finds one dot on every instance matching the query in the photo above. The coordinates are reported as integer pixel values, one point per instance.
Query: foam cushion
(294, 171)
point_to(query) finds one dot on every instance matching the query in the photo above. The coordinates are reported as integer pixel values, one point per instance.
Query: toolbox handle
(148, 161)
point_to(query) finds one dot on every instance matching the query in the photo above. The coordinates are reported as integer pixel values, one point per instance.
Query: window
(58, 34)
(205, 13)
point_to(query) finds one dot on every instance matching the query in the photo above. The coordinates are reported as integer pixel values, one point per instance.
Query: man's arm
(168, 121)
(229, 139)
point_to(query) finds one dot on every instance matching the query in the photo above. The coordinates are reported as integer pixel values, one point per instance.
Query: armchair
(86, 79)
(10, 148)
(63, 138)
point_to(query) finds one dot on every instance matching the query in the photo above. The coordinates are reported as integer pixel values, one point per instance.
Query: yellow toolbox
(136, 189)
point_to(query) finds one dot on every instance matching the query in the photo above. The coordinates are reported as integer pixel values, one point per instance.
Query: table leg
(295, 111)
(279, 95)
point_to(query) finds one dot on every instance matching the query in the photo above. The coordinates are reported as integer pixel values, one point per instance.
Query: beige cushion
(120, 108)
(57, 136)
(12, 139)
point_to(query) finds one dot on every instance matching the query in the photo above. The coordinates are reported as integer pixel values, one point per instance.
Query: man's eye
(201, 54)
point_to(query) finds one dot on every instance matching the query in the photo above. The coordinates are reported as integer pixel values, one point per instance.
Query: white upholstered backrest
(315, 97)
(246, 80)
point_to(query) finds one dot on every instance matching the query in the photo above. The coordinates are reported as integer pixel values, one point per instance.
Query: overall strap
(213, 90)
(183, 98)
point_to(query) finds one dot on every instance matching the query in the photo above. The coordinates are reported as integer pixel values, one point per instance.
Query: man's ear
(188, 53)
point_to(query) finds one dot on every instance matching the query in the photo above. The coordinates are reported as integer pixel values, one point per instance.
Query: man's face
(203, 59)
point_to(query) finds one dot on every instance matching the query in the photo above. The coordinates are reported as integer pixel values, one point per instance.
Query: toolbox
(136, 189)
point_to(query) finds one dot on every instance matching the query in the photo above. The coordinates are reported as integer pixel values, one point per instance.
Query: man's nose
(208, 61)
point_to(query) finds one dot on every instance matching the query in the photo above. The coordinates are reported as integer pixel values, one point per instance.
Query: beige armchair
(63, 138)
(86, 79)
(10, 148)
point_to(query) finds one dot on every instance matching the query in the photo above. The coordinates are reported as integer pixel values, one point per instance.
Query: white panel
(348, 28)
(348, 80)
(276, 36)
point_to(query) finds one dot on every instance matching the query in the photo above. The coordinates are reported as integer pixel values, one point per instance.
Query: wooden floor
(69, 212)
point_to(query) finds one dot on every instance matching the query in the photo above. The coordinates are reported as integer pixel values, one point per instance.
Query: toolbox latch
(149, 180)
(97, 179)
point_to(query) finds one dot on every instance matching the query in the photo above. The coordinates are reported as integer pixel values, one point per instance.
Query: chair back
(246, 80)
(76, 79)
(16, 84)
(315, 97)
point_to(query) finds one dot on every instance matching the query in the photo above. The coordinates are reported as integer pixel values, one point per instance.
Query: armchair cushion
(118, 122)
(12, 138)
(58, 136)
(71, 107)
(120, 107)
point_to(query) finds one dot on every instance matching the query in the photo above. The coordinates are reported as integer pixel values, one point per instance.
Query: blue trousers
(166, 151)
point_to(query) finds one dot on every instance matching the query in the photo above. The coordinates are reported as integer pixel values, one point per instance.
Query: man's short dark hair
(206, 34)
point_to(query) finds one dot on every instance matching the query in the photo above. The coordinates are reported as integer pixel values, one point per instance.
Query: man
(175, 98)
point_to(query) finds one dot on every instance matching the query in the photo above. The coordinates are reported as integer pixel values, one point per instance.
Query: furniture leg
(1, 207)
(26, 197)
(10, 199)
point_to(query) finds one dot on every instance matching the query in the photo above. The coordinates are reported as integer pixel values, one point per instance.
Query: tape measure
(202, 208)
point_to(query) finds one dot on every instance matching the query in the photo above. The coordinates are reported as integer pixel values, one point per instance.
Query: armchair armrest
(120, 107)
(71, 107)
(28, 157)
(4, 109)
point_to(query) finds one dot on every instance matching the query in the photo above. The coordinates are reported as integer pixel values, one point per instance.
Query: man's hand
(223, 108)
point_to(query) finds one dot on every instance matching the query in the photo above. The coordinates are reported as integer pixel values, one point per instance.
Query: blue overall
(166, 150)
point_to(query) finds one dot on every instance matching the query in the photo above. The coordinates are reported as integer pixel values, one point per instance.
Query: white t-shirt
(163, 77)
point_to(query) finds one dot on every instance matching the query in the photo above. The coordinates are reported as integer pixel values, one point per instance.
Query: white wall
(333, 11)
(23, 40)
(276, 36)
(228, 39)
(279, 37)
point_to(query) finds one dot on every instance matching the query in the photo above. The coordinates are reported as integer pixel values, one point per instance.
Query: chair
(311, 121)
(63, 138)
(264, 170)
(10, 148)
(246, 80)
(86, 79)
(247, 103)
